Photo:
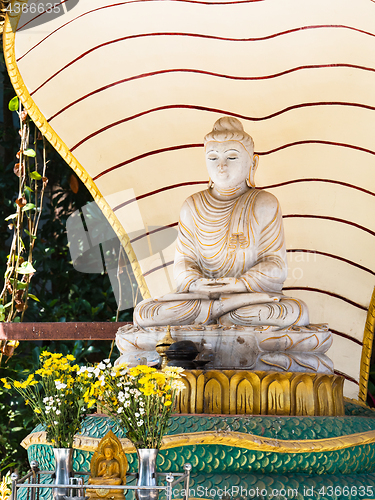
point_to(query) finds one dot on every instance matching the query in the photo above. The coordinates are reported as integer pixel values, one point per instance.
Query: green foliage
(32, 154)
(60, 394)
(14, 104)
(16, 419)
(64, 294)
(60, 292)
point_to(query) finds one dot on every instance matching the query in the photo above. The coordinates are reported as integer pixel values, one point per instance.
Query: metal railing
(35, 486)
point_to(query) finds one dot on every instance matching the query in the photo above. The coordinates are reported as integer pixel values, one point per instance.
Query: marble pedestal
(293, 349)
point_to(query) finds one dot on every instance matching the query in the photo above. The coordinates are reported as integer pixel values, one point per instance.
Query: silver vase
(63, 471)
(147, 473)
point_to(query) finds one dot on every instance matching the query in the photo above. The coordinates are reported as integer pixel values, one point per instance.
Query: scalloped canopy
(126, 91)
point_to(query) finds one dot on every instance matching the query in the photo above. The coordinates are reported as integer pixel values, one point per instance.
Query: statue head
(108, 453)
(229, 143)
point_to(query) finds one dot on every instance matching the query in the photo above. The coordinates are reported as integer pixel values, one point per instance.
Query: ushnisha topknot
(228, 128)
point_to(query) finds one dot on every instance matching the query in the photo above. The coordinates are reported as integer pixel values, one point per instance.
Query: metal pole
(34, 469)
(14, 478)
(187, 469)
(169, 478)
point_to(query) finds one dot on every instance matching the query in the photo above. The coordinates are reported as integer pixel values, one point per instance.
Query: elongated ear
(253, 169)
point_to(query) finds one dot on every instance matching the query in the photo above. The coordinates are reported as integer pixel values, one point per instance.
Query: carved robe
(242, 238)
(220, 239)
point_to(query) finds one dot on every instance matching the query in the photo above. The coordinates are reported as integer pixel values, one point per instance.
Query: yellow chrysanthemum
(148, 389)
(6, 383)
(144, 380)
(146, 369)
(134, 371)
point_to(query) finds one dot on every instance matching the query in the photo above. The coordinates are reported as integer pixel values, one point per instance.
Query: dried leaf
(45, 181)
(9, 287)
(74, 184)
(20, 305)
(18, 170)
(21, 202)
(8, 350)
(23, 115)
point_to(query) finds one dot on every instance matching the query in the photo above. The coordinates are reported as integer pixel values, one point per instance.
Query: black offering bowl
(182, 354)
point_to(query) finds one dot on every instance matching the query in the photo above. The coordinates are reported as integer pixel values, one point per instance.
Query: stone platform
(255, 453)
(261, 348)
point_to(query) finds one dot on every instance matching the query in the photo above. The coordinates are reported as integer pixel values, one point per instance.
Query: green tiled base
(223, 469)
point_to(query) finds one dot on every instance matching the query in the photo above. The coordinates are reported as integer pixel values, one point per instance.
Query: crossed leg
(239, 309)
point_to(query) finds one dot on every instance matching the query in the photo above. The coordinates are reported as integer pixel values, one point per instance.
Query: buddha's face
(108, 453)
(228, 163)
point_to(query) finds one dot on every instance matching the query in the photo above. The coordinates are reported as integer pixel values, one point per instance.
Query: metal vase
(63, 471)
(147, 473)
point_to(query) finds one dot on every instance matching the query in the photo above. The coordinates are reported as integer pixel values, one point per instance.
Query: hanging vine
(32, 181)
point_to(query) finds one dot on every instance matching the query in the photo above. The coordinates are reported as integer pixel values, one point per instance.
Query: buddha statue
(108, 467)
(230, 265)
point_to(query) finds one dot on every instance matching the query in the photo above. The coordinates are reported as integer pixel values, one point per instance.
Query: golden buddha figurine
(108, 467)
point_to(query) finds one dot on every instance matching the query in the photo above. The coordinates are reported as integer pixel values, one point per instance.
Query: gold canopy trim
(234, 439)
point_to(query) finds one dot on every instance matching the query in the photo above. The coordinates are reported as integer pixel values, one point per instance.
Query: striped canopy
(126, 91)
